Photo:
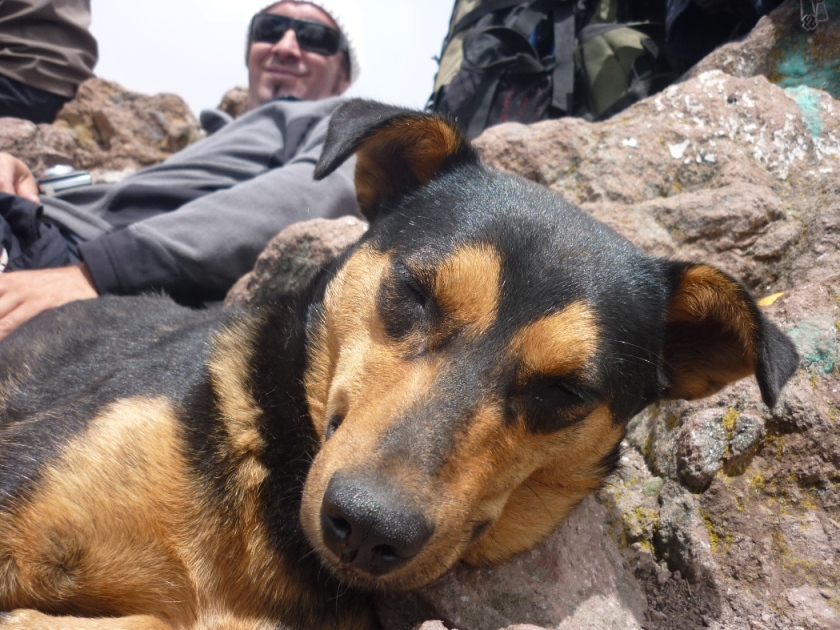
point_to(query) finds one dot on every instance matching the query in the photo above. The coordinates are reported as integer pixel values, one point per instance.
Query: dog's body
(449, 389)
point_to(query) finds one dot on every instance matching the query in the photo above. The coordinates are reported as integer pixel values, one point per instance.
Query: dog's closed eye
(553, 395)
(405, 304)
(332, 426)
(412, 291)
(549, 405)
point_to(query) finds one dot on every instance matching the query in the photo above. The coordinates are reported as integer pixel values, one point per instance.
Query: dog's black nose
(368, 526)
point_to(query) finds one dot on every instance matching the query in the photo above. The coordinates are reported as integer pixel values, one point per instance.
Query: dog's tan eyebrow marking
(557, 344)
(467, 287)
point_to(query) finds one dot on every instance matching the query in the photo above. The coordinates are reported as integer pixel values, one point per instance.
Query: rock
(745, 437)
(681, 538)
(590, 586)
(753, 190)
(105, 129)
(235, 102)
(37, 145)
(768, 520)
(781, 48)
(700, 448)
(812, 607)
(292, 258)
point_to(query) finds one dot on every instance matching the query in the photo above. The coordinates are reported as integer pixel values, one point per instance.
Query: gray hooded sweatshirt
(194, 224)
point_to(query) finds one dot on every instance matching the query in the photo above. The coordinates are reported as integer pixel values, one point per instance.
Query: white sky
(196, 48)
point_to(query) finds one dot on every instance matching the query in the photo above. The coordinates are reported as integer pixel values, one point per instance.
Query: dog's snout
(369, 527)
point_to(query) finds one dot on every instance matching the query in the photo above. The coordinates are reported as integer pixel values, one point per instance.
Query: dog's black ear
(397, 150)
(716, 334)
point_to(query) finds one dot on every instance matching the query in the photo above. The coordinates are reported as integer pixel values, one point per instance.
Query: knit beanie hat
(348, 17)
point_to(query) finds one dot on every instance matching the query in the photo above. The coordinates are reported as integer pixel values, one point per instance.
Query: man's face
(285, 69)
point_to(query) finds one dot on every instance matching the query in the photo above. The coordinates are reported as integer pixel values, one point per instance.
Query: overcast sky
(195, 48)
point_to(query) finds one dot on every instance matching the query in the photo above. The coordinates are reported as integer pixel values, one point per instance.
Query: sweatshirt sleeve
(197, 252)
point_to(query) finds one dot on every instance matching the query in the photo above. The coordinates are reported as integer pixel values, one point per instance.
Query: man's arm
(198, 251)
(24, 294)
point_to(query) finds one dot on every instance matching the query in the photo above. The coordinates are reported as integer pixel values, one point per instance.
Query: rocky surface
(106, 130)
(577, 580)
(717, 166)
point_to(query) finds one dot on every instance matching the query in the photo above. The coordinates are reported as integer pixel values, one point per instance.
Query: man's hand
(24, 294)
(17, 179)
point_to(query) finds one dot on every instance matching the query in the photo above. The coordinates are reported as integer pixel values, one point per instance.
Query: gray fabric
(46, 44)
(197, 222)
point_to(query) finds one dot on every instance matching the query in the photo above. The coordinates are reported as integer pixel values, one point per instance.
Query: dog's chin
(409, 577)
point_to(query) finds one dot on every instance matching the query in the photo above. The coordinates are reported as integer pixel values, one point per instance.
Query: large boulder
(106, 130)
(235, 102)
(293, 258)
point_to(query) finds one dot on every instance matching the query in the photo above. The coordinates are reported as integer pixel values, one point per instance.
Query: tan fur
(10, 386)
(497, 469)
(345, 334)
(570, 472)
(56, 542)
(557, 344)
(467, 287)
(230, 364)
(704, 292)
(26, 619)
(366, 378)
(418, 146)
(228, 367)
(707, 300)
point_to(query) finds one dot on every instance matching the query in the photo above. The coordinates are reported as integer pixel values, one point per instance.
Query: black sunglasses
(312, 36)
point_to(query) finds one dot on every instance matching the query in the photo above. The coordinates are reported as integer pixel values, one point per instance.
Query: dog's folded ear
(397, 150)
(716, 334)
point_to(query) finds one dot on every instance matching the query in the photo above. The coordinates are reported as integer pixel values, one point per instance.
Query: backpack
(524, 61)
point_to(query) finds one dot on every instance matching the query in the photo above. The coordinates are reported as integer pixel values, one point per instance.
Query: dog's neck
(263, 425)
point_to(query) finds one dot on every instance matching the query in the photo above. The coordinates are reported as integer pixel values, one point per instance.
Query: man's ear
(716, 334)
(396, 149)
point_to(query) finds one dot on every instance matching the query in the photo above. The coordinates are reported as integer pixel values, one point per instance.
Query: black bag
(524, 61)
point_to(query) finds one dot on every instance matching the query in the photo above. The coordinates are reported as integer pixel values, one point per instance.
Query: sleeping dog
(448, 389)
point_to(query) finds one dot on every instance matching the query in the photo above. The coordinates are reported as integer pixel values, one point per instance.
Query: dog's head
(478, 354)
